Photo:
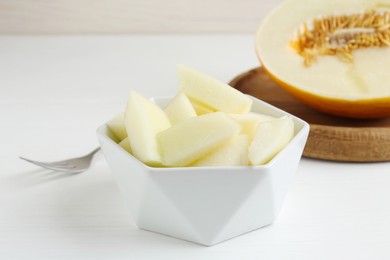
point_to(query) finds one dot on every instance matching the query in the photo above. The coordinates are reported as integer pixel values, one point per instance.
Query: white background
(56, 90)
(132, 16)
(54, 93)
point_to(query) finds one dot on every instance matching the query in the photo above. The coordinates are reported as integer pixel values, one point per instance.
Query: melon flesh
(211, 92)
(250, 121)
(179, 109)
(143, 120)
(125, 144)
(117, 126)
(270, 138)
(367, 77)
(234, 153)
(186, 142)
(201, 109)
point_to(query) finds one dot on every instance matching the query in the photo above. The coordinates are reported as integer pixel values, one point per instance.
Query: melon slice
(186, 142)
(125, 144)
(270, 138)
(233, 153)
(332, 55)
(201, 109)
(211, 92)
(143, 120)
(249, 122)
(117, 126)
(179, 109)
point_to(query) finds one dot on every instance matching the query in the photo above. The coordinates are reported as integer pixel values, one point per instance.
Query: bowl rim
(103, 129)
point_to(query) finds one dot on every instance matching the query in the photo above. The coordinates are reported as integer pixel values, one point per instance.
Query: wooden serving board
(330, 138)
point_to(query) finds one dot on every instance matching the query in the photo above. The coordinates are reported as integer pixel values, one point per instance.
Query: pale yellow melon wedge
(211, 92)
(249, 122)
(270, 138)
(143, 120)
(179, 109)
(201, 109)
(233, 153)
(186, 142)
(125, 144)
(117, 126)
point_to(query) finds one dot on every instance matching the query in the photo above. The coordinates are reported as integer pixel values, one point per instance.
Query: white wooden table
(56, 90)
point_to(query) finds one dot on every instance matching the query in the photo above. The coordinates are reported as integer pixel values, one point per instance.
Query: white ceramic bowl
(205, 205)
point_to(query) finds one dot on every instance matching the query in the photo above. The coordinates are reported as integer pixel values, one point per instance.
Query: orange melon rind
(363, 109)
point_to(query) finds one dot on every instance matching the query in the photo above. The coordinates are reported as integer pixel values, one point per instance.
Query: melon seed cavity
(341, 35)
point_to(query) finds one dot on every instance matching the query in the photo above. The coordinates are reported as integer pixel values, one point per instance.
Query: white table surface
(56, 90)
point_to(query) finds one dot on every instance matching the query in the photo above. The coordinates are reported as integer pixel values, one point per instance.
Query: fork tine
(49, 165)
(64, 162)
(73, 165)
(59, 164)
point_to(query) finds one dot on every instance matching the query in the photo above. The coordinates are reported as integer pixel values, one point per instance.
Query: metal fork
(73, 165)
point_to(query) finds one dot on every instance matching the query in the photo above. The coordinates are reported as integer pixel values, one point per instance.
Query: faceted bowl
(205, 205)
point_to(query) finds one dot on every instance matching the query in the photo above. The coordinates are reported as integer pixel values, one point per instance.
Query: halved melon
(333, 55)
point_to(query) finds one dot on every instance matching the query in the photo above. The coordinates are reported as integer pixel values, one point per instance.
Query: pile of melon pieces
(208, 123)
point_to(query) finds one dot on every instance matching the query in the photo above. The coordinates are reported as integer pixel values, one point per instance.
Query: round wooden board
(331, 138)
